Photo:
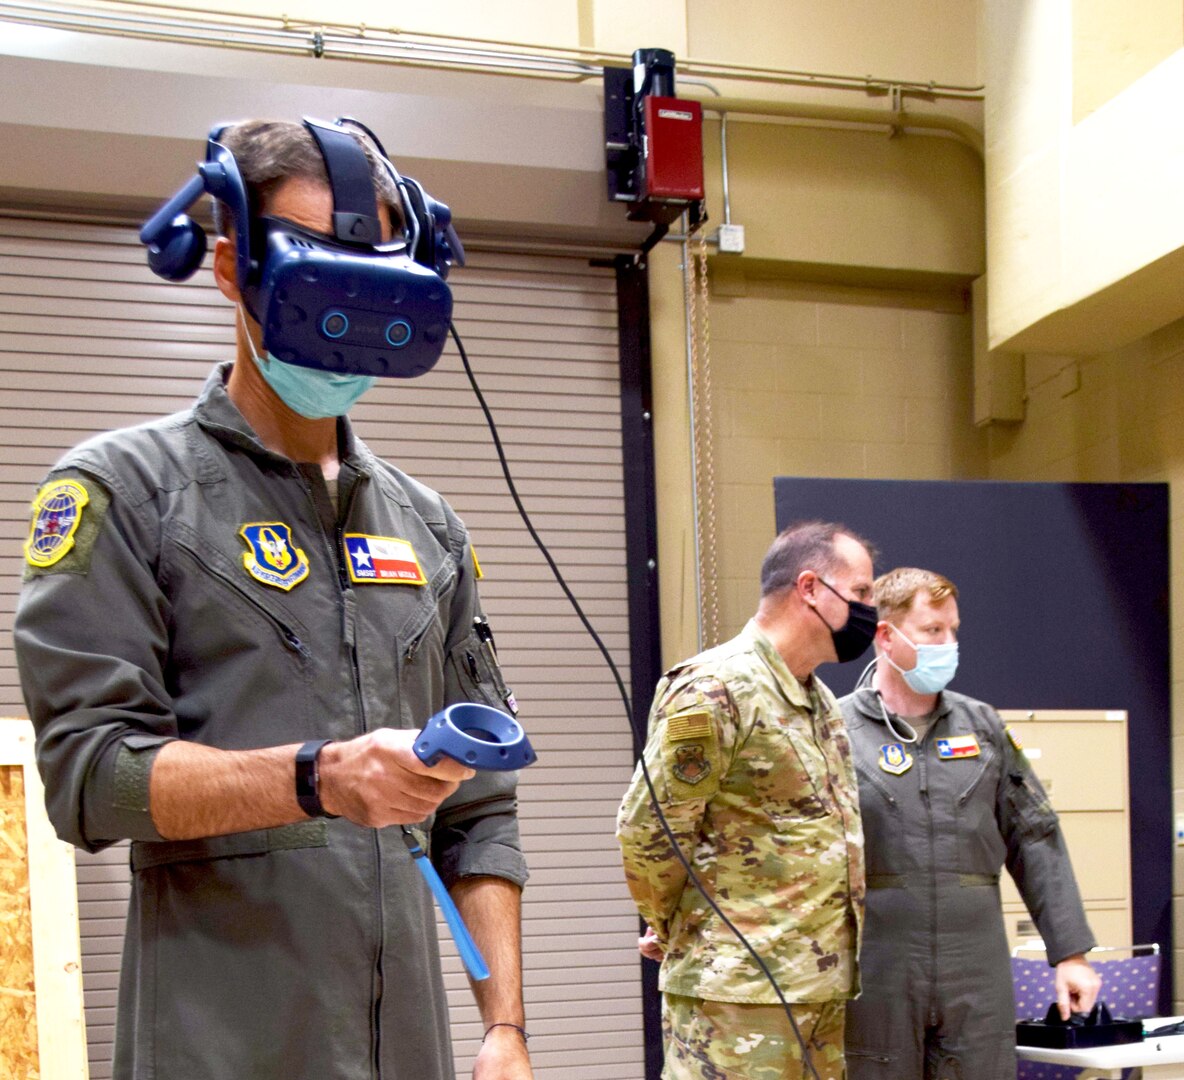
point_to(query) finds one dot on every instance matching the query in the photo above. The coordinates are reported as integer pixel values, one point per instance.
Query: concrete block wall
(830, 381)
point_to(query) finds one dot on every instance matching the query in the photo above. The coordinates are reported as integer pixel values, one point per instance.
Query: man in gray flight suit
(947, 799)
(216, 671)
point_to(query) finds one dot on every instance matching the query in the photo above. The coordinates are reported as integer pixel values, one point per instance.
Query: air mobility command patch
(382, 560)
(895, 759)
(690, 752)
(66, 515)
(957, 746)
(274, 558)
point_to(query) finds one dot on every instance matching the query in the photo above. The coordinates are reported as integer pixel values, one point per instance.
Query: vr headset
(345, 303)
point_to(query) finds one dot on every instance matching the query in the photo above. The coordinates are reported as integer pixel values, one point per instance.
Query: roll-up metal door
(90, 340)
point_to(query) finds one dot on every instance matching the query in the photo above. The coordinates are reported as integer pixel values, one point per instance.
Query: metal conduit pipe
(897, 120)
(446, 51)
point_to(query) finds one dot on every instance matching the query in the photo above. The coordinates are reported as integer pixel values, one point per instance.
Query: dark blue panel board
(1064, 605)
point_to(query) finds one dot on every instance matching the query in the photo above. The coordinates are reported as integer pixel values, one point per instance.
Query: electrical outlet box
(731, 239)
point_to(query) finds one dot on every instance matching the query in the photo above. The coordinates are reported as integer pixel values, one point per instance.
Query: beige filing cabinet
(1080, 758)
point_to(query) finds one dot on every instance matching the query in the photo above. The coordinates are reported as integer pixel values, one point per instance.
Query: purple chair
(1130, 987)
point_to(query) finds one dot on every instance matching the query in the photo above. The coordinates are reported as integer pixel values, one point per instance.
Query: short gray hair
(804, 545)
(268, 152)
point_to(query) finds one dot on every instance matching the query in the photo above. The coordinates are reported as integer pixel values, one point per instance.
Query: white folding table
(1160, 1056)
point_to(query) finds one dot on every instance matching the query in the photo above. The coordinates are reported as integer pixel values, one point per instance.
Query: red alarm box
(673, 170)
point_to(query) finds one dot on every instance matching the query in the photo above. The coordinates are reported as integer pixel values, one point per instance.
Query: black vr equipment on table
(347, 303)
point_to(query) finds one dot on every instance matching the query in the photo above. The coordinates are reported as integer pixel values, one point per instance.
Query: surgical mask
(856, 634)
(935, 667)
(311, 392)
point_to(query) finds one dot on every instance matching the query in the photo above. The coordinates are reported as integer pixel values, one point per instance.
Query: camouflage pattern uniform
(754, 774)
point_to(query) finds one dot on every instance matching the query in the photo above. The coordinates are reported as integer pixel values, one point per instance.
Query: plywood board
(42, 1034)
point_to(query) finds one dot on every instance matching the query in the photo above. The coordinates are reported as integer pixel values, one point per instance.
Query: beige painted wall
(1086, 244)
(809, 380)
(840, 340)
(1116, 43)
(855, 37)
(851, 199)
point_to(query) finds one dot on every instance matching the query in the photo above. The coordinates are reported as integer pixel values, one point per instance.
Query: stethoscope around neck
(863, 685)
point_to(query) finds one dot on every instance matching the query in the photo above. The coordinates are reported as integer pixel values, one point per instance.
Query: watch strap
(308, 778)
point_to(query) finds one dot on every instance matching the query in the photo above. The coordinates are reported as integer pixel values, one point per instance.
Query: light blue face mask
(310, 392)
(935, 667)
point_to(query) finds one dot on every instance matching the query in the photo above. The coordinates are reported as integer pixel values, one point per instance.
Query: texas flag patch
(958, 746)
(382, 560)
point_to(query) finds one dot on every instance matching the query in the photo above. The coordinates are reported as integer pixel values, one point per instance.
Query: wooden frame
(46, 925)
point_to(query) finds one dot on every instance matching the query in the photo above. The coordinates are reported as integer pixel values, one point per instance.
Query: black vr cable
(807, 1061)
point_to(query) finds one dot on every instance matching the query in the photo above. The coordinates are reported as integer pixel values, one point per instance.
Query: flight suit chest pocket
(788, 770)
(974, 782)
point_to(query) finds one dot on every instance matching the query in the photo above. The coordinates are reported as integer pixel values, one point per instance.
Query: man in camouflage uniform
(753, 771)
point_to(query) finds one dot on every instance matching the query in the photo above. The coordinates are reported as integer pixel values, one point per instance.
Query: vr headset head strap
(355, 208)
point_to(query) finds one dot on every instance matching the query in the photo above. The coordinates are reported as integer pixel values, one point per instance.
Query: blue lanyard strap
(469, 953)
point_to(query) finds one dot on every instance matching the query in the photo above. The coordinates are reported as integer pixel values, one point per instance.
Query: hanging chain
(699, 301)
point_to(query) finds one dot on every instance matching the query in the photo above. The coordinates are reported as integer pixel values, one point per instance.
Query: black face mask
(856, 634)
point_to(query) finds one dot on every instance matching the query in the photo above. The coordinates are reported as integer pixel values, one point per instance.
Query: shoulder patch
(66, 516)
(691, 756)
(476, 565)
(1016, 743)
(694, 725)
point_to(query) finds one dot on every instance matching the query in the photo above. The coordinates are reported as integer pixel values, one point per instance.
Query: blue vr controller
(476, 735)
(482, 738)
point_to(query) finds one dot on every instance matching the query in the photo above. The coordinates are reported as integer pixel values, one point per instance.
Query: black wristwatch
(308, 778)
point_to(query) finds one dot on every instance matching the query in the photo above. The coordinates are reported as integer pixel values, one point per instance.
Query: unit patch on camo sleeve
(690, 754)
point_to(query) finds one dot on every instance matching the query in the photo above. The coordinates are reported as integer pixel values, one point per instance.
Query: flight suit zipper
(925, 798)
(336, 542)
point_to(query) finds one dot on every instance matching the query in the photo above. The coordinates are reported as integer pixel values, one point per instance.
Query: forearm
(374, 780)
(1045, 879)
(197, 791)
(492, 910)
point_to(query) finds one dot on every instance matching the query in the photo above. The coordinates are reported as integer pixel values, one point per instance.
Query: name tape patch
(957, 746)
(382, 560)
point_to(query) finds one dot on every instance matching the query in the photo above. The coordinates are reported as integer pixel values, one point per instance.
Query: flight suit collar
(218, 415)
(865, 703)
(795, 692)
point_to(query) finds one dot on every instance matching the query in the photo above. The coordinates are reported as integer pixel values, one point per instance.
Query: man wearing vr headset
(234, 622)
(948, 798)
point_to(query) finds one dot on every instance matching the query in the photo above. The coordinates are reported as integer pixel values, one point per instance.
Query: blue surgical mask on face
(935, 667)
(311, 392)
